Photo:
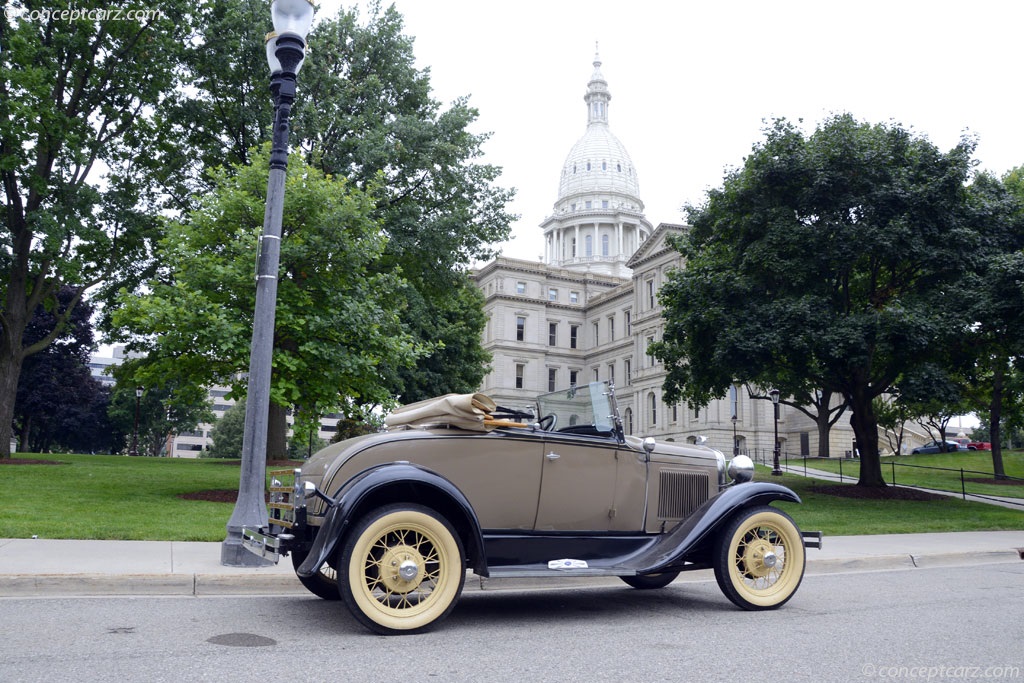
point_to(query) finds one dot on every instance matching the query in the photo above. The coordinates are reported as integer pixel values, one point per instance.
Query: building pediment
(656, 245)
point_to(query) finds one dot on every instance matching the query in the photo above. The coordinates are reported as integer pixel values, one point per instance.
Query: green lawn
(915, 470)
(116, 497)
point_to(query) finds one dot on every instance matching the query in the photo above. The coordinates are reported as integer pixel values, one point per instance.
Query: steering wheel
(547, 423)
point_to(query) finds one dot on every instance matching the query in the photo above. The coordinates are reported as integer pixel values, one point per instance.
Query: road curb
(202, 584)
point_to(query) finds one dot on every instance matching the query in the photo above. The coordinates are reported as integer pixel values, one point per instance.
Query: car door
(577, 488)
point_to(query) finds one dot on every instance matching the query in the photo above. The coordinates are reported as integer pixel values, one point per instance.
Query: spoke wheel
(323, 584)
(759, 561)
(404, 569)
(650, 581)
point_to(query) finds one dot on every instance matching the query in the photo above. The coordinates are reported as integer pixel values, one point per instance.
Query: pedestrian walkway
(43, 567)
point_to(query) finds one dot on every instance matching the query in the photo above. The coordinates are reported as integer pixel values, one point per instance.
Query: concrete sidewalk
(44, 568)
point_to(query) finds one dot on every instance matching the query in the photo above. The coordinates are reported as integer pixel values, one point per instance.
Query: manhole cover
(242, 640)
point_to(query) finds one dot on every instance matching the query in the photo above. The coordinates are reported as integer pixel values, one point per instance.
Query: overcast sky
(692, 83)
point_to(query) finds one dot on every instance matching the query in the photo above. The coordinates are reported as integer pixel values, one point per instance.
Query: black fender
(690, 537)
(353, 497)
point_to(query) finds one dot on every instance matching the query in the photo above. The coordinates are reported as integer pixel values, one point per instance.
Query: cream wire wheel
(404, 569)
(759, 561)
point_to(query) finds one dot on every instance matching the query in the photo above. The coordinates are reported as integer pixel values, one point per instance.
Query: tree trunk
(995, 413)
(824, 428)
(10, 370)
(865, 429)
(277, 433)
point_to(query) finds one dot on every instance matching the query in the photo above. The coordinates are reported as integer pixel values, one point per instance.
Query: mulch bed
(24, 461)
(231, 495)
(872, 493)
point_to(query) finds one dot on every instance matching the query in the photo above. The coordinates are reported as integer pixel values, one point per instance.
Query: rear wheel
(759, 561)
(404, 569)
(323, 584)
(650, 581)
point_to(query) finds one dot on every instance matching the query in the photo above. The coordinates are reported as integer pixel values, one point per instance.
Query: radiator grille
(680, 493)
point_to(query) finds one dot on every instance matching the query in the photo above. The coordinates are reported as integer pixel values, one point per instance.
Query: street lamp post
(135, 430)
(735, 443)
(286, 48)
(776, 470)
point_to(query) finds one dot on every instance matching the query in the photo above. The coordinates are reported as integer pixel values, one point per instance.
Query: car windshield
(581, 405)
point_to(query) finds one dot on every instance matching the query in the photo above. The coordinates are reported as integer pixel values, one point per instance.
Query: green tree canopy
(337, 318)
(364, 112)
(79, 86)
(824, 261)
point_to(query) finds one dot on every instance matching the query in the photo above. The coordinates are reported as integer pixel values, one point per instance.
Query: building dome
(598, 164)
(598, 220)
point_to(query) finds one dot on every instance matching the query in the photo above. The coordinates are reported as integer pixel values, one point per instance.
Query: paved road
(909, 624)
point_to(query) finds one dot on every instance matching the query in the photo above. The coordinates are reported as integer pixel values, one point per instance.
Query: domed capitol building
(589, 309)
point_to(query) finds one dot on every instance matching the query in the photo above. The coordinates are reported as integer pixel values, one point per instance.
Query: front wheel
(404, 569)
(650, 581)
(759, 560)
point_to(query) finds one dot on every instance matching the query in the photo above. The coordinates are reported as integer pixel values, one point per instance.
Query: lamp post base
(234, 554)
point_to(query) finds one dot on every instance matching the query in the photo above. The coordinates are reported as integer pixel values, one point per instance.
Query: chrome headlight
(741, 469)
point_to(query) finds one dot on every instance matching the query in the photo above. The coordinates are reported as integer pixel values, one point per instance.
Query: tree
(336, 320)
(823, 261)
(163, 410)
(996, 303)
(365, 113)
(228, 432)
(78, 86)
(58, 399)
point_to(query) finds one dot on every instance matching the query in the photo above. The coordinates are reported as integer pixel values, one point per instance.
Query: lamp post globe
(776, 469)
(286, 50)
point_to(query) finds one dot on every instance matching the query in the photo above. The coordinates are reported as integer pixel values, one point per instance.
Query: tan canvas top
(466, 411)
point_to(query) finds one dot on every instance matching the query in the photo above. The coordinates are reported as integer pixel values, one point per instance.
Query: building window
(611, 328)
(675, 412)
(629, 322)
(574, 239)
(597, 374)
(573, 376)
(604, 245)
(597, 333)
(520, 374)
(627, 420)
(574, 335)
(734, 403)
(552, 294)
(611, 373)
(520, 328)
(588, 245)
(552, 334)
(574, 297)
(588, 204)
(652, 407)
(520, 288)
(627, 368)
(650, 295)
(604, 203)
(552, 379)
(650, 358)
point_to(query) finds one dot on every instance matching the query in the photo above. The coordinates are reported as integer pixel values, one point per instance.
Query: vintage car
(391, 522)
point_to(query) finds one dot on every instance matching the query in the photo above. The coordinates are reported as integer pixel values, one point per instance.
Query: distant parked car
(979, 446)
(937, 447)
